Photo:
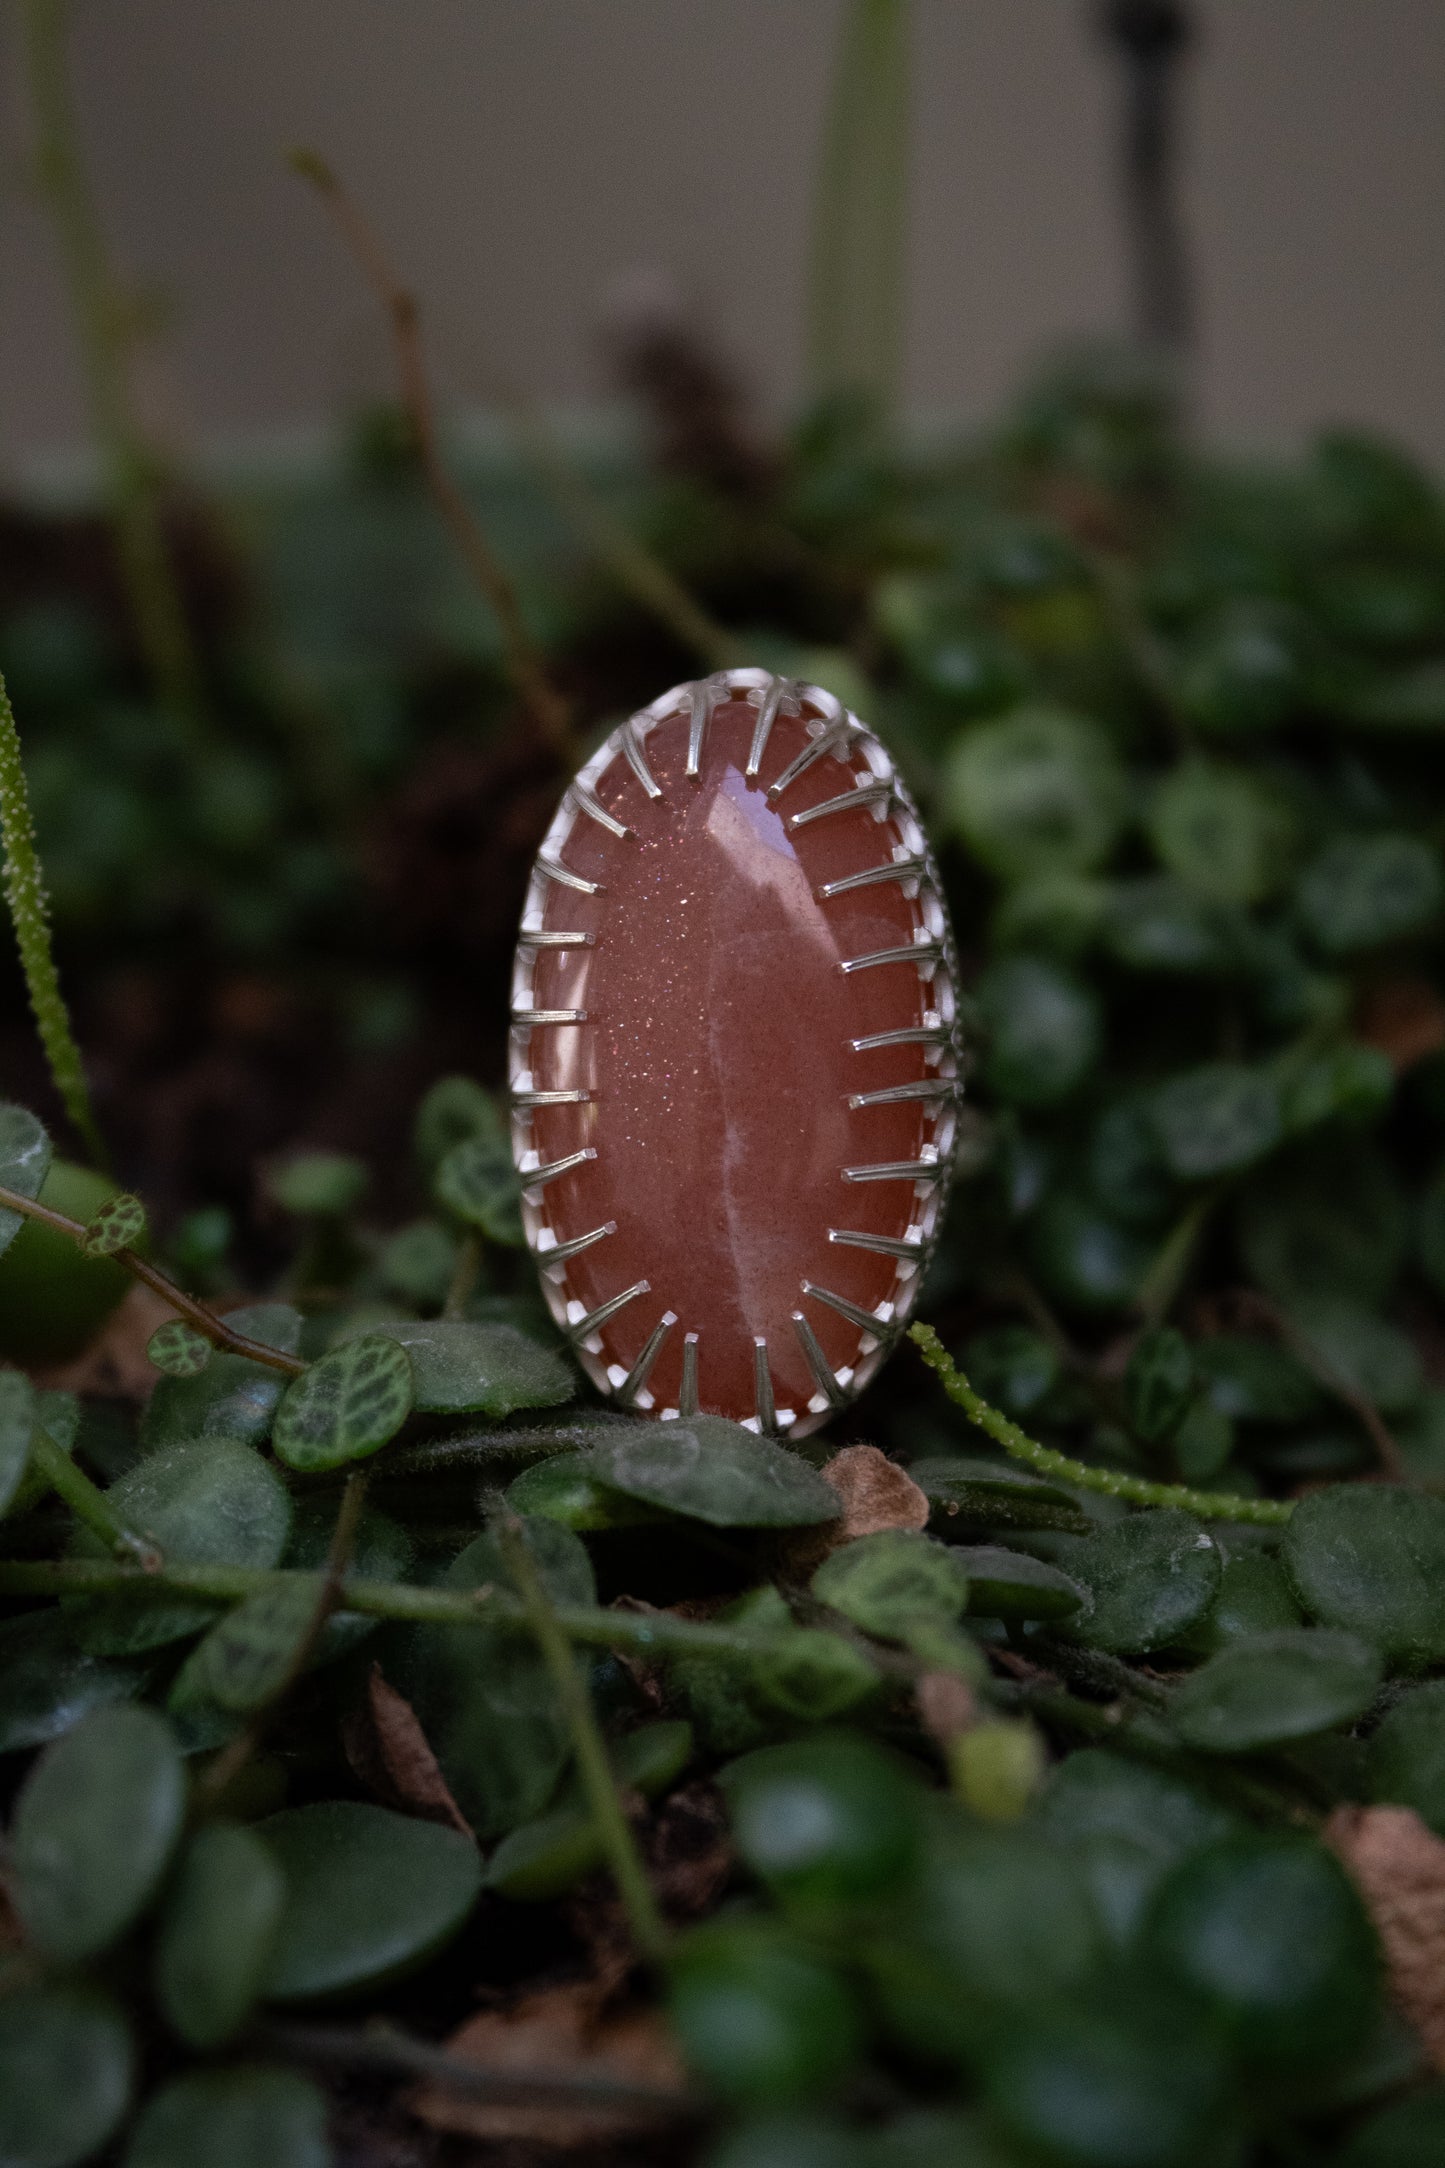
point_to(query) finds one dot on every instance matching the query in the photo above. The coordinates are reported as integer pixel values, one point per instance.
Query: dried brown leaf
(389, 1752)
(1398, 1866)
(875, 1493)
(562, 2035)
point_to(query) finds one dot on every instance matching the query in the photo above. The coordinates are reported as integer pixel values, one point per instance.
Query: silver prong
(827, 741)
(521, 1018)
(636, 1379)
(704, 698)
(595, 810)
(535, 937)
(900, 869)
(897, 1095)
(764, 1405)
(897, 1170)
(854, 1312)
(554, 870)
(911, 1035)
(885, 1245)
(527, 1100)
(687, 1391)
(637, 761)
(865, 794)
(818, 1362)
(779, 690)
(540, 1176)
(606, 1311)
(929, 953)
(561, 1251)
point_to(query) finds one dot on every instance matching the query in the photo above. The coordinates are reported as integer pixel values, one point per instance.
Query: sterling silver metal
(835, 1394)
(928, 954)
(584, 1327)
(634, 1385)
(901, 869)
(899, 1170)
(687, 1391)
(869, 794)
(830, 740)
(598, 812)
(569, 1065)
(557, 1253)
(556, 871)
(911, 1246)
(538, 1177)
(765, 1407)
(865, 1320)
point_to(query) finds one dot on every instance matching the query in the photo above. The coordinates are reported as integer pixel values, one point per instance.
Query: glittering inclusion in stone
(734, 1068)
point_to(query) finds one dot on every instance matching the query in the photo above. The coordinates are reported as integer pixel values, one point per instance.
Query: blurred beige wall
(523, 155)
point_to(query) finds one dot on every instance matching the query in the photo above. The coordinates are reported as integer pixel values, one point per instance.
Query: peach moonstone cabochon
(734, 1066)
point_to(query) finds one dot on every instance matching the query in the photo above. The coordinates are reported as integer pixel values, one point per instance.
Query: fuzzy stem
(232, 1759)
(30, 916)
(89, 1504)
(207, 1323)
(859, 238)
(146, 567)
(633, 1887)
(643, 1633)
(1209, 1505)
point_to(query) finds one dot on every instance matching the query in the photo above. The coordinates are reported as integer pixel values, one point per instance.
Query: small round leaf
(713, 1470)
(1216, 1120)
(462, 1368)
(893, 1582)
(178, 1349)
(215, 1503)
(216, 1932)
(66, 2065)
(369, 1894)
(1270, 1688)
(94, 1827)
(1150, 1577)
(120, 1224)
(251, 2116)
(1371, 1558)
(344, 1407)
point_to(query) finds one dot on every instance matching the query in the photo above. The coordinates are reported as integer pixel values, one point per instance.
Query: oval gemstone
(734, 1065)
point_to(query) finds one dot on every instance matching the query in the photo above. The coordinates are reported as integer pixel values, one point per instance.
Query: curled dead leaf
(875, 1493)
(1398, 1866)
(389, 1752)
(619, 2068)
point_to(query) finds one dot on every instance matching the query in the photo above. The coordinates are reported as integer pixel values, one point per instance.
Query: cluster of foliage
(1025, 1805)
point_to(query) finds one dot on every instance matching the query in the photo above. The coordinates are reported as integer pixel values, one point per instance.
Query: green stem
(30, 916)
(145, 562)
(859, 236)
(213, 1328)
(1209, 1505)
(90, 1505)
(642, 1633)
(633, 1887)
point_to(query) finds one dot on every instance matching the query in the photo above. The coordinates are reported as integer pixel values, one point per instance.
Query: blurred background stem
(147, 569)
(858, 248)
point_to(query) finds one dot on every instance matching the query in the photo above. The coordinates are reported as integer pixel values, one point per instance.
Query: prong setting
(791, 1371)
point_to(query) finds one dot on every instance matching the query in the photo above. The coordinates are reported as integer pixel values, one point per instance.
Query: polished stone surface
(702, 1030)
